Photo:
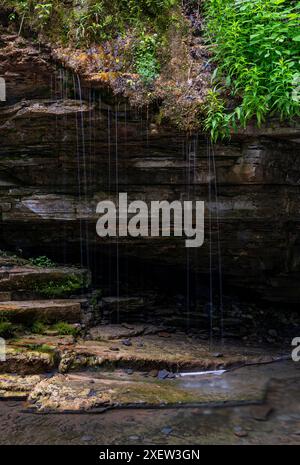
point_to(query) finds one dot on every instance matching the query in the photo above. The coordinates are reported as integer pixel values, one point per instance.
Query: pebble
(167, 430)
(163, 374)
(87, 438)
(239, 432)
(127, 342)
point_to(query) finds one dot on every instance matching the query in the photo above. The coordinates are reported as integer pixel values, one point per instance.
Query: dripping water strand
(220, 264)
(117, 193)
(188, 181)
(84, 167)
(210, 247)
(78, 176)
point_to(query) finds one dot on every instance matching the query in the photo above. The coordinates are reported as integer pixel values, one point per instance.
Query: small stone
(163, 374)
(239, 432)
(133, 438)
(129, 371)
(167, 430)
(127, 342)
(114, 349)
(217, 355)
(87, 438)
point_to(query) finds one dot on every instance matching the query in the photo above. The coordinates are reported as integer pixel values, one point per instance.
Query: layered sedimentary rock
(65, 147)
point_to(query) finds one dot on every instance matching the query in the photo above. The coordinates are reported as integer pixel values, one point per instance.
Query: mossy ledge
(199, 64)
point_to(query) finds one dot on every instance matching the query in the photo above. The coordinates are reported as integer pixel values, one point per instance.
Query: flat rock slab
(17, 387)
(112, 331)
(79, 393)
(144, 353)
(88, 391)
(46, 310)
(175, 353)
(32, 360)
(32, 278)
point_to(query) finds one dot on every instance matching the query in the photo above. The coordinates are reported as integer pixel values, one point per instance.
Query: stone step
(44, 282)
(48, 311)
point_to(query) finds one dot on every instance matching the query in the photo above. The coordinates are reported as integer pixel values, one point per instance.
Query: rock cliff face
(65, 147)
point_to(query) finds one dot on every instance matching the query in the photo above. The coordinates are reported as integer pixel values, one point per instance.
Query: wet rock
(27, 362)
(111, 332)
(163, 374)
(51, 311)
(261, 412)
(37, 279)
(240, 432)
(15, 386)
(122, 304)
(167, 430)
(127, 343)
(87, 438)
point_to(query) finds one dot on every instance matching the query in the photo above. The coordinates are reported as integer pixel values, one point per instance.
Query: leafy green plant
(65, 329)
(43, 11)
(255, 44)
(38, 327)
(60, 288)
(42, 348)
(7, 329)
(42, 262)
(146, 62)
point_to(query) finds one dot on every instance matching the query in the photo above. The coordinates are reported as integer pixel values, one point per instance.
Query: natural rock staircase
(30, 293)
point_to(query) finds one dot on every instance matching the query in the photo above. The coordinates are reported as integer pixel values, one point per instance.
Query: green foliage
(60, 288)
(82, 22)
(255, 44)
(42, 348)
(145, 59)
(43, 11)
(38, 327)
(64, 329)
(7, 329)
(42, 262)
